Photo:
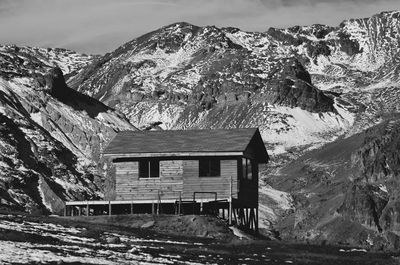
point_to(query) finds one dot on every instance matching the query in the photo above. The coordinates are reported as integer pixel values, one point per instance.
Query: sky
(100, 26)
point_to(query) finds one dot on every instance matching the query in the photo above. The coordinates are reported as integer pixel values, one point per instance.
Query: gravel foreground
(122, 240)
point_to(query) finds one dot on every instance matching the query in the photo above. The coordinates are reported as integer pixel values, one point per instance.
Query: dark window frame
(209, 167)
(149, 168)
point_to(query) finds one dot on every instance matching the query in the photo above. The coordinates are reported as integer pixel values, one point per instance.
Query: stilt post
(158, 203)
(230, 203)
(256, 221)
(180, 203)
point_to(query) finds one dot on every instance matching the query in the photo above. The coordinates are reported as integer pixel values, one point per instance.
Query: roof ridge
(181, 141)
(189, 130)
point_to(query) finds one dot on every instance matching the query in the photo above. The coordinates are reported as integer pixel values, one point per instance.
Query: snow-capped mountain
(190, 77)
(27, 61)
(50, 135)
(303, 86)
(300, 85)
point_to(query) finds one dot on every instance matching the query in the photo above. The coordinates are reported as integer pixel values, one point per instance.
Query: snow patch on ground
(239, 233)
(279, 149)
(37, 117)
(353, 250)
(114, 121)
(166, 63)
(62, 244)
(145, 113)
(383, 188)
(273, 203)
(27, 253)
(70, 187)
(304, 127)
(3, 164)
(283, 199)
(42, 195)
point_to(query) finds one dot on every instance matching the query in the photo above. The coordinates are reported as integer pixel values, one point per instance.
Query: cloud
(99, 26)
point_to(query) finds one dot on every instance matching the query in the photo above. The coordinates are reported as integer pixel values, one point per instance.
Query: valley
(326, 100)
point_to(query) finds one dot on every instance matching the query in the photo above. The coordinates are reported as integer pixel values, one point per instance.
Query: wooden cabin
(201, 166)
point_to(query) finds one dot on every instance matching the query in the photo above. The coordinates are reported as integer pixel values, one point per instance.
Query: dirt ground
(147, 239)
(177, 225)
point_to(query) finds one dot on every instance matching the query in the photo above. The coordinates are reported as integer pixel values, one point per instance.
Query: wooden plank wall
(130, 187)
(193, 183)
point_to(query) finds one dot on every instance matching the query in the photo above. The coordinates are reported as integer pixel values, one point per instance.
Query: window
(247, 170)
(209, 167)
(149, 168)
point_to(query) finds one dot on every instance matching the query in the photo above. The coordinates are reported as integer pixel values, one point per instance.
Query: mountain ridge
(51, 136)
(325, 100)
(198, 72)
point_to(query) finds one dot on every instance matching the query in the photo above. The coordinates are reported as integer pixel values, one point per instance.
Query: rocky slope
(347, 191)
(50, 135)
(302, 85)
(184, 76)
(27, 61)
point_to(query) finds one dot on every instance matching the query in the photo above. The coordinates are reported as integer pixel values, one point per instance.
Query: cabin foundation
(244, 217)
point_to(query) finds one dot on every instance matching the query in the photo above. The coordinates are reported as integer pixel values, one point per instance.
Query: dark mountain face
(347, 191)
(182, 66)
(50, 135)
(199, 66)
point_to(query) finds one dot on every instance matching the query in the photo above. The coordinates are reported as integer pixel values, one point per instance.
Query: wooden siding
(129, 186)
(182, 177)
(221, 185)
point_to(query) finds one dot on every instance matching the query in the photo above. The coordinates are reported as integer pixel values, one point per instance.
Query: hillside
(50, 135)
(303, 86)
(347, 191)
(191, 77)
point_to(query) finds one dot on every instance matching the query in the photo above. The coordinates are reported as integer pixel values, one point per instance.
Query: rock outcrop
(55, 83)
(348, 190)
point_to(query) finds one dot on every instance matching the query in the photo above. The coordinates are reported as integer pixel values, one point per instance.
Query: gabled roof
(187, 141)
